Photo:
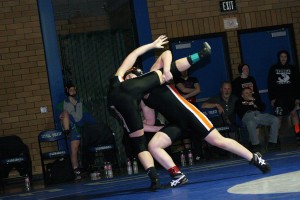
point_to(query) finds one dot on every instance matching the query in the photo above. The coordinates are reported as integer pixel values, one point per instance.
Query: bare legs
(216, 139)
(65, 120)
(74, 151)
(156, 146)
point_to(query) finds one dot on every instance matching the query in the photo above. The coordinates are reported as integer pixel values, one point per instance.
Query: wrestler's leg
(141, 149)
(185, 63)
(156, 146)
(216, 139)
(140, 146)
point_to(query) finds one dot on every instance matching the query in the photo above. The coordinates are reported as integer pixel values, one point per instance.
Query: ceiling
(67, 9)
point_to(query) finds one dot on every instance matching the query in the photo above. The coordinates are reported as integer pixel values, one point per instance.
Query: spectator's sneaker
(260, 163)
(255, 148)
(273, 146)
(77, 174)
(205, 51)
(178, 179)
(155, 184)
(298, 139)
(198, 158)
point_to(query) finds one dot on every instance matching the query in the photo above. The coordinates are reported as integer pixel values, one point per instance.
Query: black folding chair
(14, 154)
(98, 142)
(53, 145)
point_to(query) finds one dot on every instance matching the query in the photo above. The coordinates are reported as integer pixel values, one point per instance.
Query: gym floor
(226, 179)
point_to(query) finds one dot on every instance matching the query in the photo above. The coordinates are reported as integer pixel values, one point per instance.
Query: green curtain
(89, 60)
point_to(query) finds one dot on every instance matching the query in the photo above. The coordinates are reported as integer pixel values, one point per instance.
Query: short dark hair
(240, 67)
(134, 70)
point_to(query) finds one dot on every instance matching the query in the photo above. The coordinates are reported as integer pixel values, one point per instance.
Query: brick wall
(82, 25)
(23, 76)
(180, 18)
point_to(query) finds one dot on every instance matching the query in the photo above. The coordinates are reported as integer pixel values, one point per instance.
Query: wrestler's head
(132, 73)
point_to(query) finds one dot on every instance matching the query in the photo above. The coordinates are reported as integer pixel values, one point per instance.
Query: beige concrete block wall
(181, 18)
(23, 76)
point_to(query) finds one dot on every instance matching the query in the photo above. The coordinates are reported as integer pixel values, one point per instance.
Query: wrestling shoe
(77, 174)
(260, 163)
(178, 179)
(205, 51)
(155, 184)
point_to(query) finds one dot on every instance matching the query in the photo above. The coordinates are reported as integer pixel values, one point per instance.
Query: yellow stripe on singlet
(197, 113)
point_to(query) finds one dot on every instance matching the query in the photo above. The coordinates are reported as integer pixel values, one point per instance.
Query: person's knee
(64, 115)
(152, 145)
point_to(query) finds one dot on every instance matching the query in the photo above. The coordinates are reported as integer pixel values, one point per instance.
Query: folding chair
(14, 154)
(219, 123)
(53, 145)
(99, 150)
(217, 120)
(97, 140)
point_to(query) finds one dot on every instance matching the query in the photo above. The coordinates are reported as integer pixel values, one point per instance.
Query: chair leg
(2, 182)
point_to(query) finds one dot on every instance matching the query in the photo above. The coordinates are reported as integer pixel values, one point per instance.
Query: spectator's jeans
(252, 119)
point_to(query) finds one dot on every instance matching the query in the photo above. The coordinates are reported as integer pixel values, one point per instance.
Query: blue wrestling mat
(229, 179)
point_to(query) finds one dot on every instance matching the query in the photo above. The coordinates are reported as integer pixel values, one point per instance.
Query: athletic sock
(192, 59)
(297, 128)
(174, 170)
(151, 172)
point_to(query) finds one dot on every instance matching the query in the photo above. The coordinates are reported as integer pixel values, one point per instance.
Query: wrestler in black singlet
(177, 110)
(125, 97)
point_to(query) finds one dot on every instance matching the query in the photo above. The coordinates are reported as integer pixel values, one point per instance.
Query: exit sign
(226, 6)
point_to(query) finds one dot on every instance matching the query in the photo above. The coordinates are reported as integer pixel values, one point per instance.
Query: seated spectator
(243, 81)
(284, 90)
(249, 110)
(74, 116)
(224, 102)
(189, 88)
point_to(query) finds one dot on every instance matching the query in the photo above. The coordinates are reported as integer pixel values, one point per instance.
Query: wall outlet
(44, 109)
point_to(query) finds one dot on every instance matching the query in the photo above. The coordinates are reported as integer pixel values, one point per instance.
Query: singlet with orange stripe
(177, 110)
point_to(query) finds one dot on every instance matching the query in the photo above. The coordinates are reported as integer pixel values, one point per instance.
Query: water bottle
(109, 170)
(182, 159)
(98, 175)
(135, 166)
(93, 176)
(106, 169)
(27, 183)
(129, 167)
(190, 155)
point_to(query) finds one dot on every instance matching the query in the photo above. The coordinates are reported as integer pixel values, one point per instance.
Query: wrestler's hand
(167, 76)
(160, 41)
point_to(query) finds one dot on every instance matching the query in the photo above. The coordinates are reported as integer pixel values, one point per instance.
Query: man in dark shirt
(249, 110)
(224, 102)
